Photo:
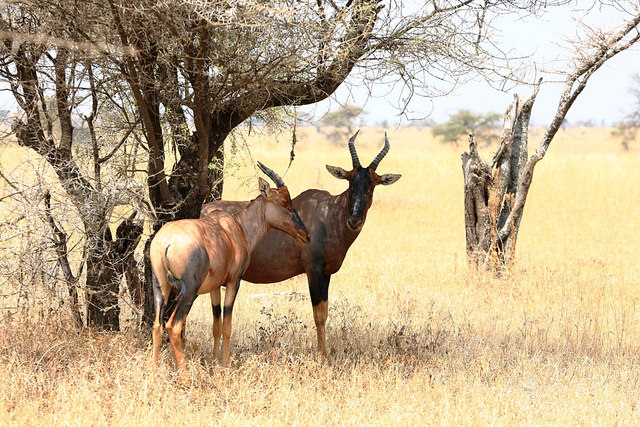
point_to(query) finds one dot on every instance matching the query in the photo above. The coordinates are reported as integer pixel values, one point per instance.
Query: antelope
(191, 257)
(334, 223)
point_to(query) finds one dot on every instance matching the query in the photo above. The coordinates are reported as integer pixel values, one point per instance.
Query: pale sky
(606, 97)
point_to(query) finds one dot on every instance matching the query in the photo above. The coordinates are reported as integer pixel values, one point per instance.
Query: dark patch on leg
(228, 310)
(158, 299)
(184, 290)
(318, 281)
(318, 284)
(217, 310)
(319, 292)
(184, 306)
(172, 302)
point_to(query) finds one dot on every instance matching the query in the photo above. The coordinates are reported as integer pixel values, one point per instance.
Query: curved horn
(374, 164)
(271, 174)
(352, 149)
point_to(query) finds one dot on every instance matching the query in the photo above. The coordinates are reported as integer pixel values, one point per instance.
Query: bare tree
(51, 82)
(496, 192)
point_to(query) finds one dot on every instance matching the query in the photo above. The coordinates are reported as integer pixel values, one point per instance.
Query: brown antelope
(334, 223)
(191, 257)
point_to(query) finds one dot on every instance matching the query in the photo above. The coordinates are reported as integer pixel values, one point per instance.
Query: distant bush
(484, 127)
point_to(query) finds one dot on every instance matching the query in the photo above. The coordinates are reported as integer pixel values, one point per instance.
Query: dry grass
(414, 336)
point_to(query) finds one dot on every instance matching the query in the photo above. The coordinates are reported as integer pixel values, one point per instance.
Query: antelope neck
(253, 222)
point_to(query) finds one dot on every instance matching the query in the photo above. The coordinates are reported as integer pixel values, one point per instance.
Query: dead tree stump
(490, 190)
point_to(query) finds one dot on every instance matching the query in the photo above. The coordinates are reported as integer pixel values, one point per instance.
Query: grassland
(414, 335)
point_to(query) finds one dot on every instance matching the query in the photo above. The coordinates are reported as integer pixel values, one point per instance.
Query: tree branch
(61, 64)
(585, 69)
(60, 245)
(275, 93)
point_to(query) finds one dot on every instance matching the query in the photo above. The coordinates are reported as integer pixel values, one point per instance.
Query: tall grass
(414, 335)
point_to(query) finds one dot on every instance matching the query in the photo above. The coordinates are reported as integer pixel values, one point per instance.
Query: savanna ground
(414, 335)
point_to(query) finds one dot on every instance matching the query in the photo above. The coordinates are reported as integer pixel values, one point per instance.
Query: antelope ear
(388, 178)
(264, 187)
(337, 172)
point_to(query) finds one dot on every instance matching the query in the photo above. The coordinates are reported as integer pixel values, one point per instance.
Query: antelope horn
(352, 150)
(271, 174)
(382, 153)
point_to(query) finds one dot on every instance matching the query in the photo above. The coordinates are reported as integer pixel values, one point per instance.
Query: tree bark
(490, 190)
(102, 291)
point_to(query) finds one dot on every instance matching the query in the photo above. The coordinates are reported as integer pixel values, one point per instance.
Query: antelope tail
(178, 290)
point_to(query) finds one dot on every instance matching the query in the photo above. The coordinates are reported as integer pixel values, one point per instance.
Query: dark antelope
(334, 223)
(191, 257)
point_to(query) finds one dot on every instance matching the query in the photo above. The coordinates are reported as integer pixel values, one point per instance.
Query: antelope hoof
(183, 379)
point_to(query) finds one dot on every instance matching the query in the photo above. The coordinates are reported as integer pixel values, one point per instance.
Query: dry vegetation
(414, 336)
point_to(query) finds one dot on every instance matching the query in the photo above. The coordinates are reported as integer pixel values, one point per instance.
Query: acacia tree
(495, 192)
(212, 66)
(464, 122)
(337, 125)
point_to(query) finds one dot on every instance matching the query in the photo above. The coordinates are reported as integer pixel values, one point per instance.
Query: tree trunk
(490, 190)
(128, 236)
(108, 261)
(103, 288)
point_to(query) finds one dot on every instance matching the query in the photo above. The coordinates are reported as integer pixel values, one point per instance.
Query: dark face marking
(360, 196)
(297, 221)
(283, 199)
